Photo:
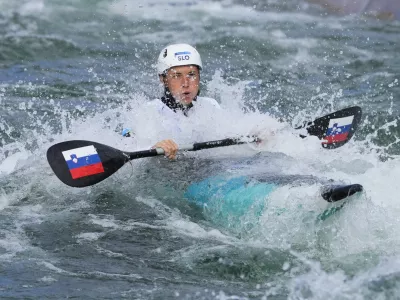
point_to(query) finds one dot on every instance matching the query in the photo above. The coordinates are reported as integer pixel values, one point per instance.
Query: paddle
(81, 163)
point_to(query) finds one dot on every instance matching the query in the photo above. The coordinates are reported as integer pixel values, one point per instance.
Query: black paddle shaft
(223, 143)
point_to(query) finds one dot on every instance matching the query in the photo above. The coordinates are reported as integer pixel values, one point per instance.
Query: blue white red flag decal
(83, 161)
(338, 130)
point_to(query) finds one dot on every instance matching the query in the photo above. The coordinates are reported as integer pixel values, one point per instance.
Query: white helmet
(178, 55)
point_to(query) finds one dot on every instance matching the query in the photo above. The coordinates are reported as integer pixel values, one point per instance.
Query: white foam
(104, 221)
(338, 285)
(12, 244)
(58, 270)
(204, 11)
(176, 222)
(110, 253)
(32, 7)
(48, 279)
(4, 200)
(8, 165)
(186, 227)
(89, 236)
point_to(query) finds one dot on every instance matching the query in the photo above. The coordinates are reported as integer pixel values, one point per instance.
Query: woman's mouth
(186, 96)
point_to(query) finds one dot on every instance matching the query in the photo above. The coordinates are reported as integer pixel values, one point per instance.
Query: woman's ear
(163, 79)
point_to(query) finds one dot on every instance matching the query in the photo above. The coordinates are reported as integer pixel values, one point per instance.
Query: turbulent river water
(75, 69)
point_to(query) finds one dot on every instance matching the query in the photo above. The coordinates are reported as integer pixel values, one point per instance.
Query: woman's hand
(169, 146)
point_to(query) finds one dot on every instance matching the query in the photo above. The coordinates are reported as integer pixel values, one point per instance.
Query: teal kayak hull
(229, 200)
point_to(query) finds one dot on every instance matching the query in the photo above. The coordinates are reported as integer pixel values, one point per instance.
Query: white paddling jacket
(158, 121)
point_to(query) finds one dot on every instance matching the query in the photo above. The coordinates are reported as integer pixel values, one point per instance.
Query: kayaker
(178, 68)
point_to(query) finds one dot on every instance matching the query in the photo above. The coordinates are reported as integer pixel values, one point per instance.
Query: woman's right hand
(169, 146)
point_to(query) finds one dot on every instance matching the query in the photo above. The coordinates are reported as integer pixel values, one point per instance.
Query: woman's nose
(185, 80)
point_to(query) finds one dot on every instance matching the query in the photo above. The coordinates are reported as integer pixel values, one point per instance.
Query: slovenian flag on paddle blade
(338, 130)
(83, 161)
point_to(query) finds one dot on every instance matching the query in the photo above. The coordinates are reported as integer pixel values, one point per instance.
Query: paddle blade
(83, 163)
(339, 192)
(337, 128)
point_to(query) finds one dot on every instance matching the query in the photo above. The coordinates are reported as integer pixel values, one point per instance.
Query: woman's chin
(186, 100)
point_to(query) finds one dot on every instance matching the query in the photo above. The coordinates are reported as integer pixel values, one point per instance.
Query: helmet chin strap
(175, 105)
